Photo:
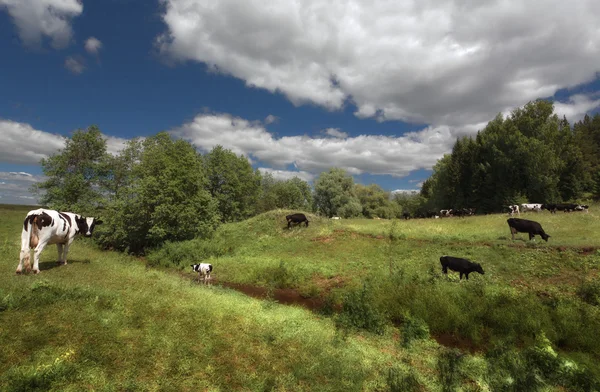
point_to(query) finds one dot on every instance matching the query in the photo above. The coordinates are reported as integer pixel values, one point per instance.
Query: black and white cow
(462, 266)
(46, 227)
(513, 209)
(518, 225)
(582, 207)
(537, 207)
(296, 218)
(203, 270)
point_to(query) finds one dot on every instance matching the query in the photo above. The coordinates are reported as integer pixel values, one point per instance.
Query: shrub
(399, 380)
(361, 311)
(589, 291)
(413, 328)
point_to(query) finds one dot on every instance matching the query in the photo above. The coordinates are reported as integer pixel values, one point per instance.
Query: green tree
(375, 201)
(75, 174)
(334, 194)
(232, 183)
(165, 197)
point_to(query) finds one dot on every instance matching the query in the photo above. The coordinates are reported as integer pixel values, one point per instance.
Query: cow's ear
(99, 222)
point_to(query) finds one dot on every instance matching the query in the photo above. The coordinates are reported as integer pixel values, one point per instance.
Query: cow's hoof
(36, 271)
(19, 272)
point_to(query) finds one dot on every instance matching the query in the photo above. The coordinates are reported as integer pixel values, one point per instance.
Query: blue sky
(377, 88)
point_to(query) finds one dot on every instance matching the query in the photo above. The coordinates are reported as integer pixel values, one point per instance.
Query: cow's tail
(29, 239)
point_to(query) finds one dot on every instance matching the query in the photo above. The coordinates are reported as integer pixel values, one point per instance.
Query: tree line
(160, 189)
(532, 156)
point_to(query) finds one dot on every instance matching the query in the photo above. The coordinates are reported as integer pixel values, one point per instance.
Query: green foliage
(334, 194)
(589, 291)
(75, 174)
(289, 194)
(232, 183)
(375, 201)
(399, 380)
(360, 310)
(448, 363)
(165, 200)
(531, 155)
(413, 328)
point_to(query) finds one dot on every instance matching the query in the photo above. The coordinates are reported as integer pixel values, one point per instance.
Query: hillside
(108, 322)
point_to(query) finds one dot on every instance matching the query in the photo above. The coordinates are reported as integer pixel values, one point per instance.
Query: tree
(375, 201)
(334, 194)
(232, 183)
(75, 174)
(166, 197)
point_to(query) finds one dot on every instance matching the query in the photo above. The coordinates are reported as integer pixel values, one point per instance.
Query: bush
(361, 311)
(399, 380)
(413, 328)
(589, 291)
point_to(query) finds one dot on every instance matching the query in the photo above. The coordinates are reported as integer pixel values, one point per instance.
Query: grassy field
(107, 321)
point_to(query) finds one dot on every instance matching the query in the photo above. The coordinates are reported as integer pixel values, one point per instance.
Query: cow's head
(479, 269)
(87, 225)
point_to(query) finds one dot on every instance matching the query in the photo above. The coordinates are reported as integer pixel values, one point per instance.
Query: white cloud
(406, 191)
(441, 62)
(576, 107)
(75, 64)
(396, 156)
(23, 144)
(335, 132)
(287, 174)
(270, 119)
(14, 187)
(38, 18)
(93, 45)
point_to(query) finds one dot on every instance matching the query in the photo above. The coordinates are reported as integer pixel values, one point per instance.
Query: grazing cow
(203, 270)
(549, 207)
(463, 266)
(46, 227)
(514, 209)
(406, 215)
(567, 207)
(582, 207)
(296, 218)
(445, 213)
(537, 207)
(526, 226)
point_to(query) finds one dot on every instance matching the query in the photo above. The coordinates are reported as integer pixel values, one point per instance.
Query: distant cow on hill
(297, 219)
(517, 225)
(46, 227)
(462, 266)
(531, 207)
(513, 209)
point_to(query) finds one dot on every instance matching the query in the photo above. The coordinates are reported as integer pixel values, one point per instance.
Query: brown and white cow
(46, 227)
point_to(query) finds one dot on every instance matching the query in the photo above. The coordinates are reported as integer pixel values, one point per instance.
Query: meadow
(385, 317)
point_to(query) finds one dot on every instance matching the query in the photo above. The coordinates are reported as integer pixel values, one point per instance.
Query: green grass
(108, 322)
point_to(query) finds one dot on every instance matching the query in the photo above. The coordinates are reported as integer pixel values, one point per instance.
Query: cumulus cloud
(335, 132)
(93, 45)
(441, 62)
(396, 156)
(14, 187)
(16, 146)
(287, 174)
(576, 107)
(35, 19)
(75, 64)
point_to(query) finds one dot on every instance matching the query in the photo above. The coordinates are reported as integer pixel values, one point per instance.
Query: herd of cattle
(45, 227)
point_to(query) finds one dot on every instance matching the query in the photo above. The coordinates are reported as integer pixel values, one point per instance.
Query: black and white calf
(460, 265)
(46, 227)
(203, 270)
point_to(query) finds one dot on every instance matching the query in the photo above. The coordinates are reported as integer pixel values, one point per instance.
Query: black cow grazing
(567, 207)
(406, 215)
(549, 207)
(296, 218)
(526, 226)
(462, 266)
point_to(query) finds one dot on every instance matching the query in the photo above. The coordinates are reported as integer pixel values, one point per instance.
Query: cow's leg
(36, 257)
(531, 235)
(467, 275)
(60, 248)
(24, 258)
(512, 232)
(461, 274)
